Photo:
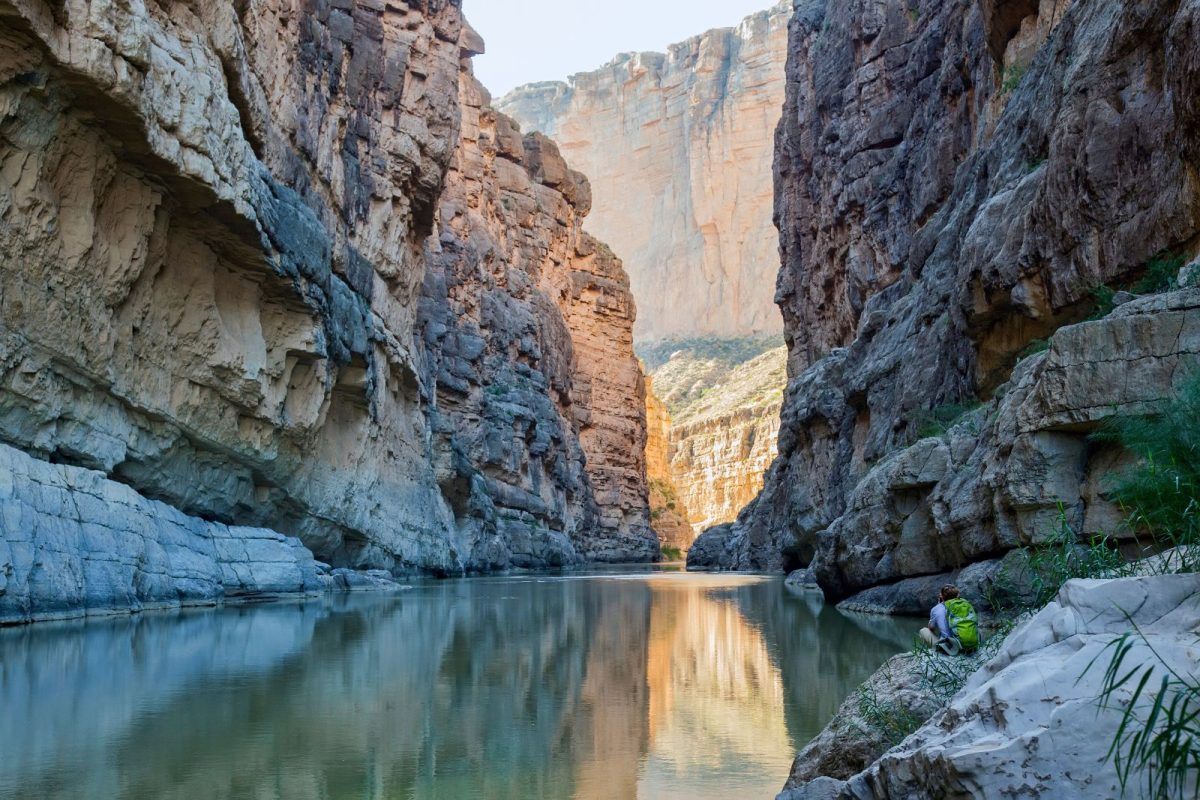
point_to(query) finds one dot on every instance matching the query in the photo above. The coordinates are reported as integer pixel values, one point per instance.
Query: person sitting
(952, 624)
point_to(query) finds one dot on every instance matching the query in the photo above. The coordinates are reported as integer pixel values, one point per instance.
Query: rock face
(850, 742)
(723, 443)
(527, 323)
(1035, 707)
(952, 183)
(723, 396)
(668, 514)
(77, 543)
(213, 236)
(676, 146)
(210, 259)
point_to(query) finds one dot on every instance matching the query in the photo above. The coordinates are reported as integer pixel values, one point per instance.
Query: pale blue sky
(542, 40)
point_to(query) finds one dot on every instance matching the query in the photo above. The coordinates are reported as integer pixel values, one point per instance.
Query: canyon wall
(953, 183)
(679, 154)
(539, 421)
(213, 241)
(723, 441)
(668, 513)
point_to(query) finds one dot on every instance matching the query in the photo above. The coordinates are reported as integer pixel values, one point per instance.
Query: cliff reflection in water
(652, 685)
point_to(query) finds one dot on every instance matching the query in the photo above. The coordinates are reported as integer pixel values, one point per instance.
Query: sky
(543, 40)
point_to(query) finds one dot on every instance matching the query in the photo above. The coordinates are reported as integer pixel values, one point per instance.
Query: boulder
(1028, 722)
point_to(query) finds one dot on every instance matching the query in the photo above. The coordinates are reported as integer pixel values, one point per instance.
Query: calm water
(652, 685)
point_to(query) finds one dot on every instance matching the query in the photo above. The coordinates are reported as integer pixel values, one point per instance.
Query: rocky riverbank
(78, 544)
(1029, 719)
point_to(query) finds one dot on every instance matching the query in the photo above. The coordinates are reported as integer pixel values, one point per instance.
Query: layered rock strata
(213, 225)
(953, 181)
(723, 443)
(211, 239)
(668, 513)
(77, 543)
(1030, 722)
(527, 322)
(676, 146)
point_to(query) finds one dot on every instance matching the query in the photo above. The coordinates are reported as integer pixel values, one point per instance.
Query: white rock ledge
(1028, 723)
(73, 543)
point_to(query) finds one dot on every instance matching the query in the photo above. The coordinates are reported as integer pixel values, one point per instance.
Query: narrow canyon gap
(678, 146)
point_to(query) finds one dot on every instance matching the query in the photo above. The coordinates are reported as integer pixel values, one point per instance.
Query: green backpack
(961, 616)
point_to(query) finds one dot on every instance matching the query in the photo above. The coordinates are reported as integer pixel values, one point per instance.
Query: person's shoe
(951, 647)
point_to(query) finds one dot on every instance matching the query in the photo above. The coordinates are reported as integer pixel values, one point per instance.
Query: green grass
(1159, 739)
(1102, 302)
(938, 421)
(1161, 274)
(1041, 570)
(672, 553)
(1160, 493)
(892, 721)
(1033, 348)
(943, 676)
(1012, 78)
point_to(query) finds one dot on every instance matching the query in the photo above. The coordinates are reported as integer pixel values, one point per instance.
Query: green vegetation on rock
(1164, 745)
(670, 553)
(709, 378)
(1160, 494)
(938, 421)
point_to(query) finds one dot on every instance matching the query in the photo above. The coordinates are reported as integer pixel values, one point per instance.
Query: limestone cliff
(212, 228)
(213, 225)
(527, 322)
(678, 149)
(668, 514)
(722, 400)
(953, 180)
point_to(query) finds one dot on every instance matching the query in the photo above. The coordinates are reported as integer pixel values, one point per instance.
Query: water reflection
(614, 686)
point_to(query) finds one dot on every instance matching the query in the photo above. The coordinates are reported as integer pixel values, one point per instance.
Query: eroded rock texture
(668, 512)
(75, 541)
(539, 426)
(1029, 722)
(213, 225)
(678, 150)
(952, 184)
(211, 241)
(723, 443)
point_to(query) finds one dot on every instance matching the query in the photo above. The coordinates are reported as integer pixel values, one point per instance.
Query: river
(620, 684)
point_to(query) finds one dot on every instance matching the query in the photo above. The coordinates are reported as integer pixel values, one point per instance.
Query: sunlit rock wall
(668, 513)
(678, 147)
(723, 442)
(527, 323)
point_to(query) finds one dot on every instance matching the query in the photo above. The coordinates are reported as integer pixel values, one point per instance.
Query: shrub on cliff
(1161, 493)
(1033, 578)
